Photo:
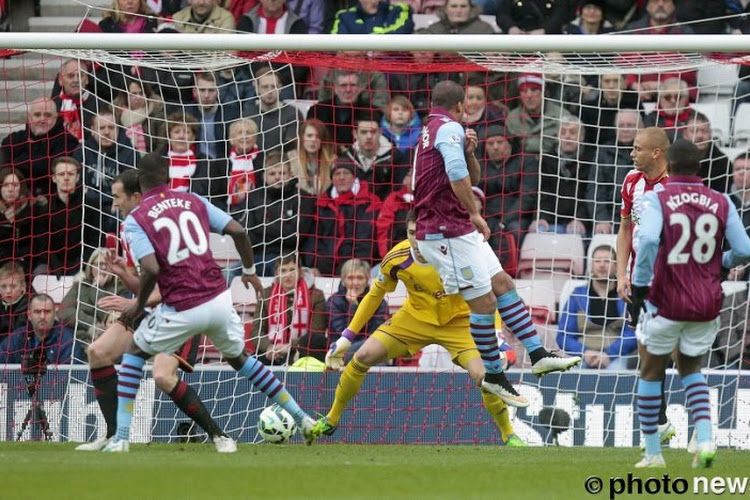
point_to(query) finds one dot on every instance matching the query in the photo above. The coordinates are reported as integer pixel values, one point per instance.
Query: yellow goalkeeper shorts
(404, 335)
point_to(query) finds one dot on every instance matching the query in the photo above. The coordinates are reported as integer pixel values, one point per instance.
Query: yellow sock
(348, 387)
(499, 412)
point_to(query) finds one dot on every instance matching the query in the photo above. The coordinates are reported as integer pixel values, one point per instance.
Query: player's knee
(368, 357)
(98, 355)
(502, 283)
(165, 379)
(486, 304)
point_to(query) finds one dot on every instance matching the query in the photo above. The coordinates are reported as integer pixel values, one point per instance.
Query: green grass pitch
(52, 471)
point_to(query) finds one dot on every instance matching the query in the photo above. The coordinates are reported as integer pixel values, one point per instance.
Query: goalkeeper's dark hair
(129, 181)
(447, 94)
(411, 216)
(683, 158)
(153, 171)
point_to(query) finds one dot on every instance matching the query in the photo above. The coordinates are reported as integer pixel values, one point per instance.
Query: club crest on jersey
(467, 273)
(455, 139)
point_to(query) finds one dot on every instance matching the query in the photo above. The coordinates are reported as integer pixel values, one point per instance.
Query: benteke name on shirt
(162, 206)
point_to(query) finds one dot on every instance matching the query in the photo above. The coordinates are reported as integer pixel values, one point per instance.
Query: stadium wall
(394, 407)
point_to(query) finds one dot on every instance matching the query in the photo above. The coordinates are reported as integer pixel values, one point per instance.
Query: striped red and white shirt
(634, 187)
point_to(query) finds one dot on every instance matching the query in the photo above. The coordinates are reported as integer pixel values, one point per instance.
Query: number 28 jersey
(687, 284)
(175, 227)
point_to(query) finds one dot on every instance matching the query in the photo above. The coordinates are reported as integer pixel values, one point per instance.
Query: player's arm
(450, 142)
(739, 241)
(144, 252)
(119, 267)
(365, 311)
(652, 221)
(221, 222)
(624, 237)
(470, 145)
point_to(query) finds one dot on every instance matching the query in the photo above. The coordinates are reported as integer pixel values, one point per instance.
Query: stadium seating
(223, 249)
(53, 286)
(718, 80)
(551, 252)
(302, 105)
(540, 297)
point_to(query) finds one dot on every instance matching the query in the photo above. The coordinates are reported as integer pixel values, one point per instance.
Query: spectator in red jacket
(391, 224)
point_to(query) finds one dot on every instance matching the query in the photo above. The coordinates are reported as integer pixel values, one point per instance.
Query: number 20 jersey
(687, 283)
(175, 227)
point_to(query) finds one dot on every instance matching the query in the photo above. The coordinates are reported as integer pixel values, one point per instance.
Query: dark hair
(447, 94)
(290, 258)
(153, 171)
(699, 117)
(683, 158)
(411, 216)
(368, 115)
(129, 181)
(605, 246)
(6, 172)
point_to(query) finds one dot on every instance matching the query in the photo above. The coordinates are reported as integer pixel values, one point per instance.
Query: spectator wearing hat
(591, 19)
(346, 215)
(532, 17)
(509, 181)
(526, 121)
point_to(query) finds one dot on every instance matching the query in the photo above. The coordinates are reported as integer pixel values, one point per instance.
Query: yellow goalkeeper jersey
(426, 301)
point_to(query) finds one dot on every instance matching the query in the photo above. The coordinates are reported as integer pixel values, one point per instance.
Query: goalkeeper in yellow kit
(428, 316)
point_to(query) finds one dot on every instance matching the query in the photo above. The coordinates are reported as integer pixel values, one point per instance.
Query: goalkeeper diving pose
(428, 316)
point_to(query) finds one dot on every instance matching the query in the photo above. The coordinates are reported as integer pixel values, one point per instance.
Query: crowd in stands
(332, 180)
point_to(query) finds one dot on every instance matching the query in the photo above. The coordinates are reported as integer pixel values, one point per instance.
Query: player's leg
(657, 338)
(379, 347)
(184, 396)
(498, 410)
(697, 339)
(516, 317)
(128, 382)
(464, 269)
(103, 353)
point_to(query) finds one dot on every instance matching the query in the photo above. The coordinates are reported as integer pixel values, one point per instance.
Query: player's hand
(254, 281)
(623, 288)
(114, 303)
(471, 141)
(637, 303)
(117, 265)
(481, 226)
(131, 315)
(335, 355)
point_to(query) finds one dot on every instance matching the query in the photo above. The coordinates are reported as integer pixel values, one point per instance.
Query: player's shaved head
(683, 158)
(447, 94)
(153, 171)
(656, 138)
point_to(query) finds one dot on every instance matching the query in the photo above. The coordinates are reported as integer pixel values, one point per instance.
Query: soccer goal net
(311, 151)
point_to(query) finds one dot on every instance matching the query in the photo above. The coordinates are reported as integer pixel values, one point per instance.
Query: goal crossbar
(398, 43)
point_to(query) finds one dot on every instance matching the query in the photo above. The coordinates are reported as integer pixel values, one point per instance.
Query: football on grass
(276, 425)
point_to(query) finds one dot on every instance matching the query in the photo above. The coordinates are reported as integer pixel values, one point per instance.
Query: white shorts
(661, 335)
(466, 263)
(165, 330)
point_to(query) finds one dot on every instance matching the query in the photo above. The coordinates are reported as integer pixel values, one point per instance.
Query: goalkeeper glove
(637, 303)
(335, 355)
